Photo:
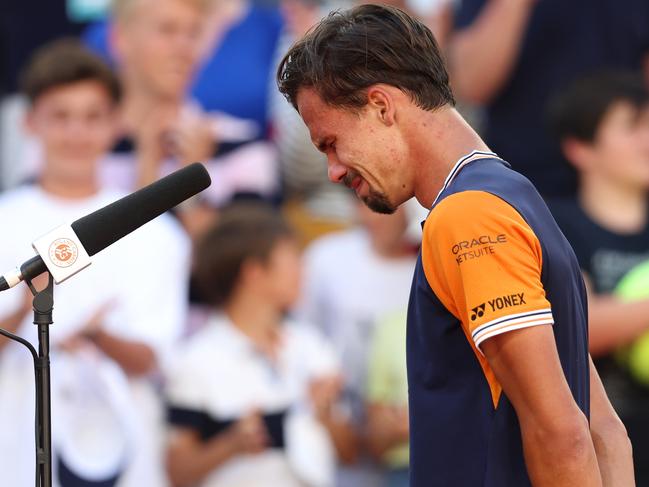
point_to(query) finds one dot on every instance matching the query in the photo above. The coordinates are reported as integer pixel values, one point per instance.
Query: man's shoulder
(490, 172)
(466, 207)
(496, 177)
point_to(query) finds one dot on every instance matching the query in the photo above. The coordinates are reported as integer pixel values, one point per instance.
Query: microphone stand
(43, 304)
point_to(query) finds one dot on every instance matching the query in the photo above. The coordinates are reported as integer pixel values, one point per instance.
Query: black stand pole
(43, 304)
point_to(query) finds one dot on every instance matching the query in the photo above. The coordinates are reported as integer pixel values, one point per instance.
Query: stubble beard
(375, 200)
(379, 203)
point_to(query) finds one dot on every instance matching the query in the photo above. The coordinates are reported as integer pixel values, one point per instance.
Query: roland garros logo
(63, 252)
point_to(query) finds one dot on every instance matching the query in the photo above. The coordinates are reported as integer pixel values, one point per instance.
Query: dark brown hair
(244, 231)
(578, 110)
(64, 62)
(350, 50)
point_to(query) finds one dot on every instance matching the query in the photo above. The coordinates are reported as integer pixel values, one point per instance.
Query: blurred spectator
(224, 118)
(112, 329)
(511, 55)
(603, 124)
(241, 39)
(158, 45)
(234, 79)
(24, 26)
(158, 51)
(252, 395)
(387, 397)
(353, 280)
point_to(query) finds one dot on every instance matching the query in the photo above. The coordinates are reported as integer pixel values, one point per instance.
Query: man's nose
(336, 171)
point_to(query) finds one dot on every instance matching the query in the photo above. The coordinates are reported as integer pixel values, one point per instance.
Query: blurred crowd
(255, 335)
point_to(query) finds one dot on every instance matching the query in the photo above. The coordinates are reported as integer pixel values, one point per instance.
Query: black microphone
(67, 249)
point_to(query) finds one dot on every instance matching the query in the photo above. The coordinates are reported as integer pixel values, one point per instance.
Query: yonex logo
(477, 312)
(63, 252)
(499, 303)
(507, 301)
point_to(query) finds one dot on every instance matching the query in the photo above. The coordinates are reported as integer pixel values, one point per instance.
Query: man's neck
(440, 139)
(618, 208)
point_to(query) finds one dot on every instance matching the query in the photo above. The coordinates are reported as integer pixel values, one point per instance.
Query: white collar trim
(463, 161)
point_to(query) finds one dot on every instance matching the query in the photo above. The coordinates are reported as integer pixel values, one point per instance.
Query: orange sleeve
(483, 261)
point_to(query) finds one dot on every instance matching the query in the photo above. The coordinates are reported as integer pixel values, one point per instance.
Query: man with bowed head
(506, 397)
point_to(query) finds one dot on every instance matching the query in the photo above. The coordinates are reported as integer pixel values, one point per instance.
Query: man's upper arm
(526, 363)
(484, 263)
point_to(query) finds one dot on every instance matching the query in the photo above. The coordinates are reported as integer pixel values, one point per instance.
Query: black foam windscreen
(107, 225)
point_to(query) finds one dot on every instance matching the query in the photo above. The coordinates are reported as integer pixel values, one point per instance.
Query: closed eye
(325, 146)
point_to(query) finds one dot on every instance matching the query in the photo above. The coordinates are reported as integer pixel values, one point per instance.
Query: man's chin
(379, 203)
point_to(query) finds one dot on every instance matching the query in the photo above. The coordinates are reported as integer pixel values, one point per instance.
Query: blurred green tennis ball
(633, 286)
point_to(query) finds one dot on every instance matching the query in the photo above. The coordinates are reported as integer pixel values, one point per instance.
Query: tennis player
(502, 390)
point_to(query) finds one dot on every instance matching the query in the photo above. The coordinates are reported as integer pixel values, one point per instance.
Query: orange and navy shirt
(492, 260)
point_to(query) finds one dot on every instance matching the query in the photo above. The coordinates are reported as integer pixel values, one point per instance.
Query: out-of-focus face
(362, 153)
(159, 45)
(281, 276)
(76, 126)
(620, 150)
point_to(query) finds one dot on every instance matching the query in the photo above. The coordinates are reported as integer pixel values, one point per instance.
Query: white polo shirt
(218, 377)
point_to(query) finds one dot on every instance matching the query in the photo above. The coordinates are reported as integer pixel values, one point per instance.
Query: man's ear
(383, 103)
(578, 152)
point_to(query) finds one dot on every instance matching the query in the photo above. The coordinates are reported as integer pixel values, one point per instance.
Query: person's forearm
(564, 457)
(482, 56)
(610, 439)
(613, 323)
(344, 438)
(189, 467)
(614, 455)
(135, 358)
